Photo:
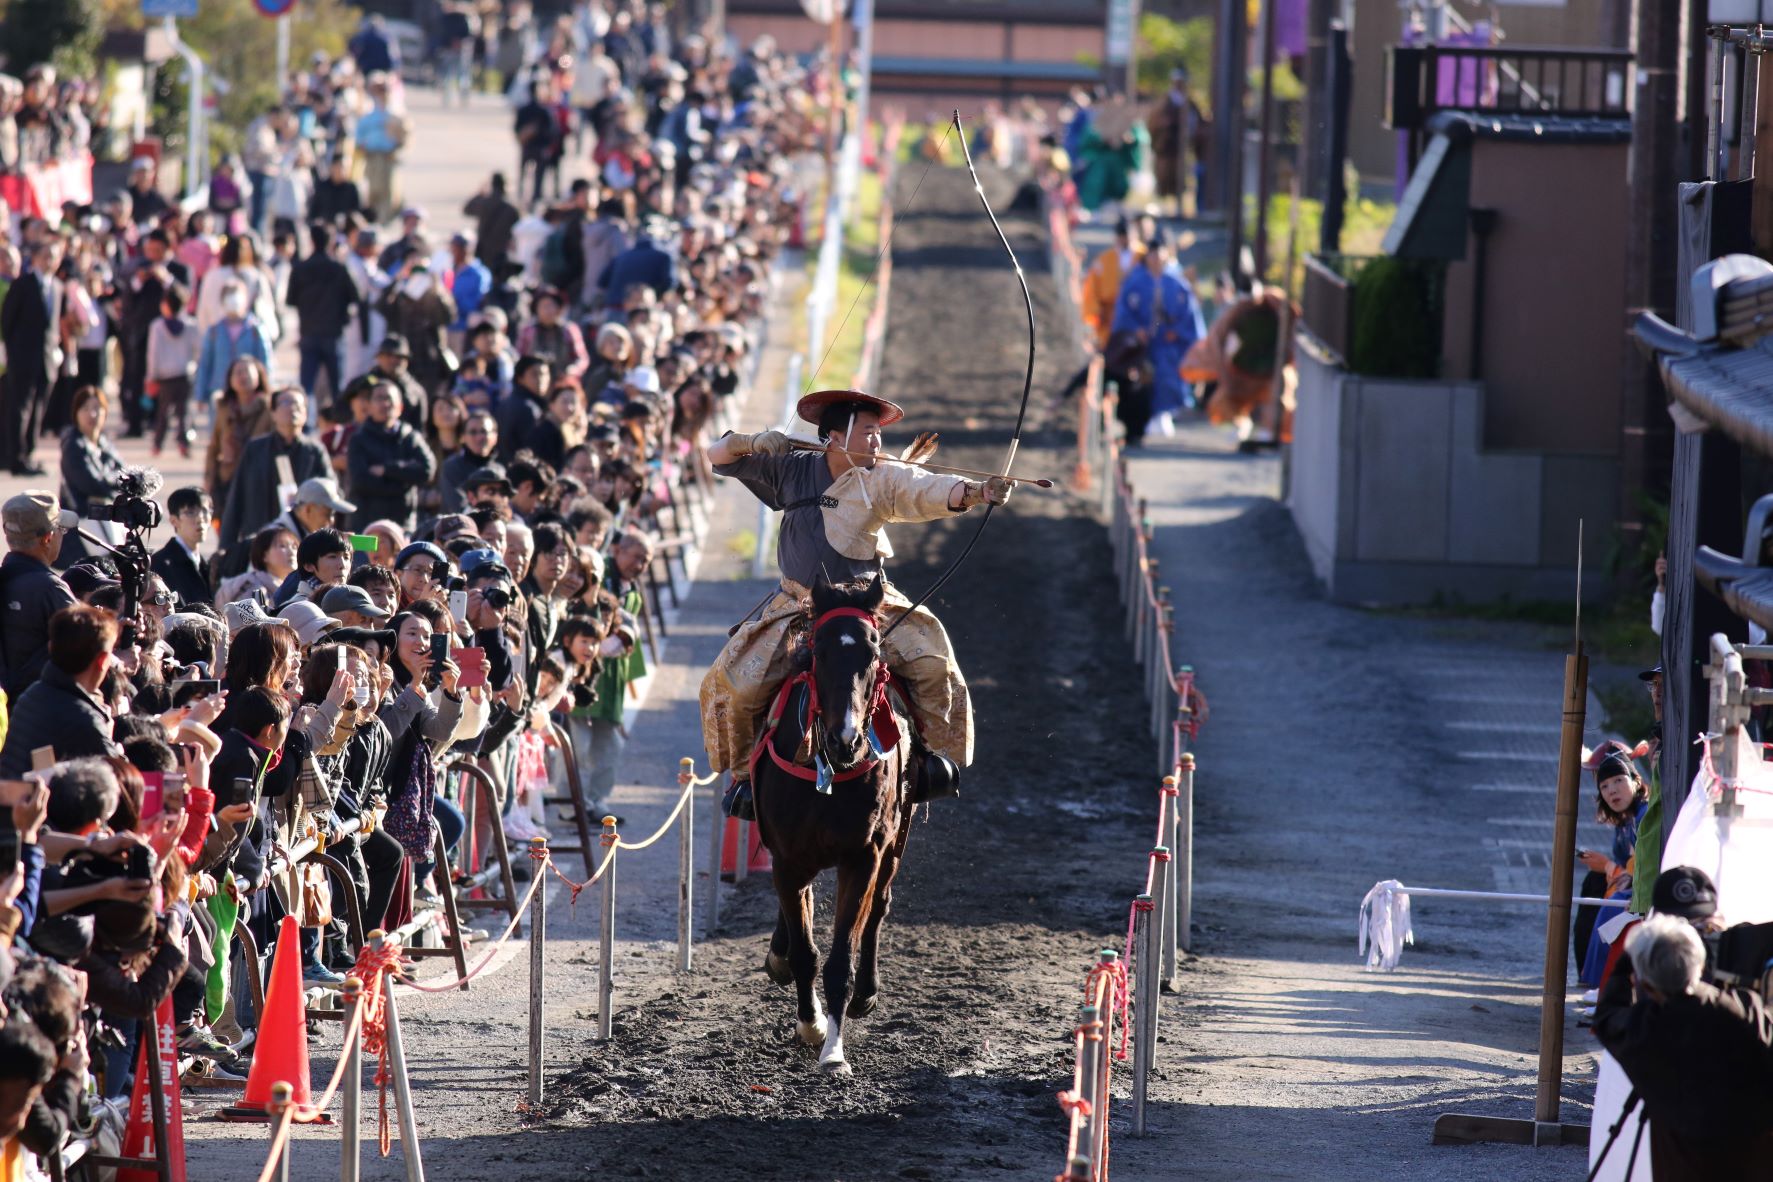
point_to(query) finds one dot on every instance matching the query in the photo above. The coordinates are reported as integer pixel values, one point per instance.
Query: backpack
(557, 267)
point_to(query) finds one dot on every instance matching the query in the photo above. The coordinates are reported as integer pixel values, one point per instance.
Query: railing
(1423, 80)
(1327, 305)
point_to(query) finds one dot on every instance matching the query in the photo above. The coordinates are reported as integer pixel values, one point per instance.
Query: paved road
(1346, 747)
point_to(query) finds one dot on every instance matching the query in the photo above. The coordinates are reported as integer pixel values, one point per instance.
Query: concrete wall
(1398, 501)
(1552, 357)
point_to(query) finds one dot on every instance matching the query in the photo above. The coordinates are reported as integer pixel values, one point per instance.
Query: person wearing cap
(317, 506)
(834, 511)
(352, 607)
(309, 620)
(421, 569)
(30, 590)
(1699, 1057)
(146, 204)
(393, 357)
(254, 496)
(1157, 309)
(389, 462)
(488, 487)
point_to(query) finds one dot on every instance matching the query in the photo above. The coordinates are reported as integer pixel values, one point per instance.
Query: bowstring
(831, 342)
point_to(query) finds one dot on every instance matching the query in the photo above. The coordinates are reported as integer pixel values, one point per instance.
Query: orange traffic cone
(281, 1052)
(759, 860)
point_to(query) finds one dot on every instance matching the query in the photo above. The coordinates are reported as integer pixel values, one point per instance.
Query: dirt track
(1005, 892)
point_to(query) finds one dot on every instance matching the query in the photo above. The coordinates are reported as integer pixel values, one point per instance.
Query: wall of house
(1552, 351)
(1398, 501)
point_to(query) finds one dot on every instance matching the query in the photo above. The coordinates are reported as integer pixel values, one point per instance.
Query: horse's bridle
(881, 676)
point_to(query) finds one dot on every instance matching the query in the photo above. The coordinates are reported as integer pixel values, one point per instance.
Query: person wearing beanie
(1620, 797)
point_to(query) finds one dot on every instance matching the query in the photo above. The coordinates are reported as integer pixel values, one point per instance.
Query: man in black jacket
(321, 292)
(337, 197)
(31, 592)
(62, 708)
(144, 286)
(392, 360)
(525, 406)
(480, 444)
(389, 462)
(180, 562)
(1701, 1057)
(253, 500)
(30, 328)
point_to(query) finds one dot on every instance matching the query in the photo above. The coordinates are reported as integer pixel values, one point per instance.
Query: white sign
(1122, 15)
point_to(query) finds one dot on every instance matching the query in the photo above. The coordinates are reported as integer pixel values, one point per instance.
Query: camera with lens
(131, 507)
(496, 598)
(450, 582)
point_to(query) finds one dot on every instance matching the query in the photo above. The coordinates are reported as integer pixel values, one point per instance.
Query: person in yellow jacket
(834, 512)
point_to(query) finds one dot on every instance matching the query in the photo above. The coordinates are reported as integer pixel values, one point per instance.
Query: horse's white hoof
(837, 1068)
(812, 1033)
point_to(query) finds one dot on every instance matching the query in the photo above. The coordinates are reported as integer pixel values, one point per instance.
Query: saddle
(791, 747)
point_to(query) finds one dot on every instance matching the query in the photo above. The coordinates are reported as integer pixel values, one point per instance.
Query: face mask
(417, 285)
(234, 305)
(362, 695)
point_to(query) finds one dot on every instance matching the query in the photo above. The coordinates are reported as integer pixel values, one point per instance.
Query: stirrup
(736, 802)
(939, 777)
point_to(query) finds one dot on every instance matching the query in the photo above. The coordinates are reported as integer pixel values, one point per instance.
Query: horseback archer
(834, 509)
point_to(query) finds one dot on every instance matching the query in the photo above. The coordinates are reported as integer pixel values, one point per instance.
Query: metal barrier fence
(371, 1019)
(1161, 914)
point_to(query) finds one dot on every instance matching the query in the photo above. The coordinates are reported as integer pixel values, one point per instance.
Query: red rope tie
(1073, 1104)
(372, 968)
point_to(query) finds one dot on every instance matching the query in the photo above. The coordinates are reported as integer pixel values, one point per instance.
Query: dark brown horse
(852, 813)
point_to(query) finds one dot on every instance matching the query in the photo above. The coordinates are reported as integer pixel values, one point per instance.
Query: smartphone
(439, 654)
(472, 662)
(141, 862)
(188, 689)
(8, 850)
(153, 794)
(42, 758)
(242, 790)
(362, 546)
(458, 605)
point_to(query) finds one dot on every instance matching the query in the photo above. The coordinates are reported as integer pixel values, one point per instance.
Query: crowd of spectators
(435, 537)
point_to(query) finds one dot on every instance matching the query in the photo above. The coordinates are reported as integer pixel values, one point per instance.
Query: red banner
(40, 189)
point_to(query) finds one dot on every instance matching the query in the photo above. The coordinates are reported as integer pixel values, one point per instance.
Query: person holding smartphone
(422, 723)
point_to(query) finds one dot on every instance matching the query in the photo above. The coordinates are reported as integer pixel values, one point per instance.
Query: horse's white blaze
(846, 639)
(847, 732)
(813, 1032)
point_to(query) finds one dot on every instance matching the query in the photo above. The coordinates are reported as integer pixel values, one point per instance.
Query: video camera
(131, 507)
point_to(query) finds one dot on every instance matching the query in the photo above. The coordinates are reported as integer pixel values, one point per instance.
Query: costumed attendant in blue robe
(1158, 303)
(1620, 799)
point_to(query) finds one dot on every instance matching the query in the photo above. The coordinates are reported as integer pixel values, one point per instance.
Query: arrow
(814, 445)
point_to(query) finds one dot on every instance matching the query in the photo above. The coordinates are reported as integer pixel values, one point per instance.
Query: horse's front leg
(865, 994)
(855, 899)
(792, 888)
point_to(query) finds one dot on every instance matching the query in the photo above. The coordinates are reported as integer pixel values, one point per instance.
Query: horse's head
(846, 662)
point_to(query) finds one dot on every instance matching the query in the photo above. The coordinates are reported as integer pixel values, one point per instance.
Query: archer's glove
(770, 443)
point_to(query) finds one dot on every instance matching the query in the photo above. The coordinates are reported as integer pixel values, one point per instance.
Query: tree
(1166, 45)
(63, 33)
